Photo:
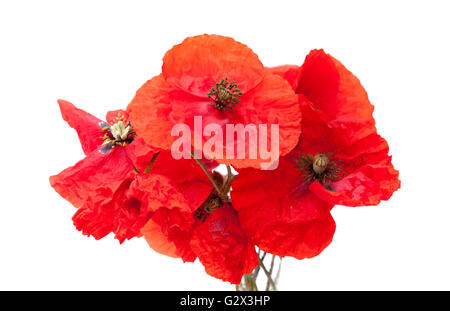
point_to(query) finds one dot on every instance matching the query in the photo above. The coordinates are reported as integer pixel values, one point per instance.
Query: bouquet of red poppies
(222, 159)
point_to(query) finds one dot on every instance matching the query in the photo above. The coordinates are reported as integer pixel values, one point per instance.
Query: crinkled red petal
(196, 64)
(367, 185)
(222, 246)
(130, 215)
(337, 94)
(92, 185)
(94, 179)
(152, 111)
(166, 233)
(155, 191)
(318, 136)
(87, 126)
(96, 222)
(157, 237)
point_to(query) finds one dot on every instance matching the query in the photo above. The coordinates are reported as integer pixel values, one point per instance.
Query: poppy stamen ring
(224, 95)
(116, 133)
(320, 167)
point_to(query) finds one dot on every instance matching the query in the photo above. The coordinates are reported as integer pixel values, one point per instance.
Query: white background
(96, 54)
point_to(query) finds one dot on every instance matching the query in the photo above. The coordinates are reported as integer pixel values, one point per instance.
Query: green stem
(250, 282)
(270, 272)
(227, 186)
(211, 179)
(149, 166)
(269, 277)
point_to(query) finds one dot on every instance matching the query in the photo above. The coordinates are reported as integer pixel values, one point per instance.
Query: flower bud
(320, 163)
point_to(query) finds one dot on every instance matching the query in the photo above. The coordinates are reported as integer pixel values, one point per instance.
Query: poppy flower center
(320, 167)
(224, 95)
(320, 163)
(212, 202)
(118, 133)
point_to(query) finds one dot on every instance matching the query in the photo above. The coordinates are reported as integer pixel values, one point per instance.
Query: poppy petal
(94, 179)
(92, 185)
(337, 94)
(129, 214)
(367, 185)
(95, 221)
(151, 112)
(156, 239)
(87, 126)
(222, 246)
(168, 230)
(196, 64)
(165, 234)
(155, 191)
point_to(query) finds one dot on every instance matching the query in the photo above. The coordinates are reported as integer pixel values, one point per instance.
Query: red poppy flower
(212, 233)
(339, 123)
(340, 159)
(102, 185)
(223, 82)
